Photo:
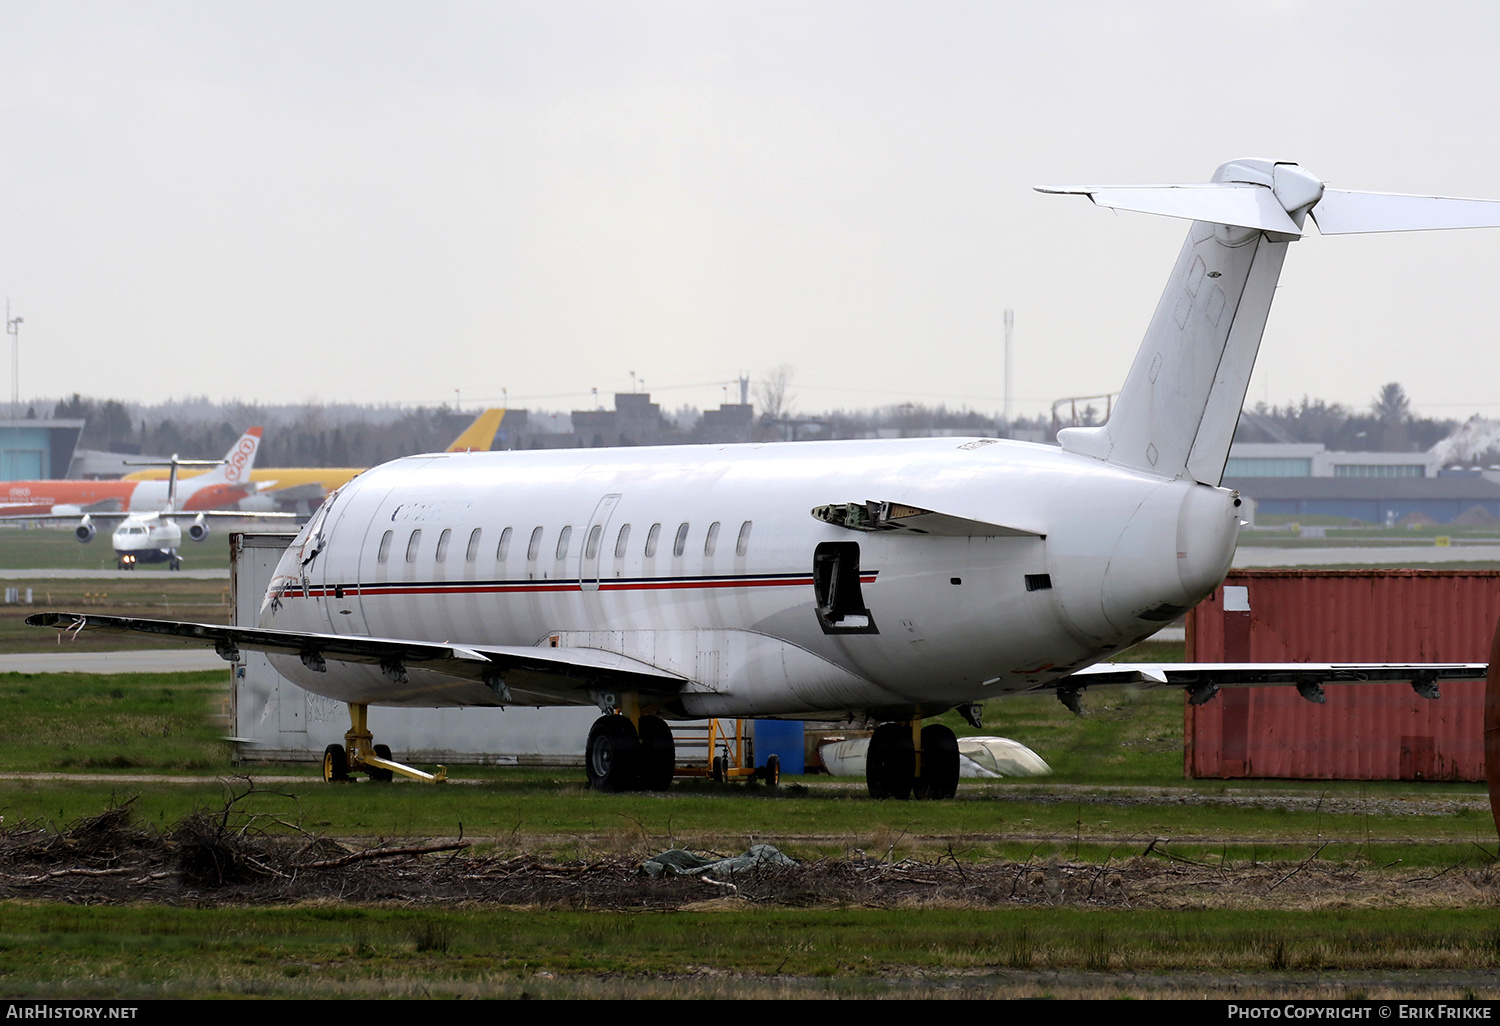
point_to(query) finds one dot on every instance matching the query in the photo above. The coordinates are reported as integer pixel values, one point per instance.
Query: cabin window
(563, 537)
(534, 549)
(679, 545)
(652, 537)
(385, 546)
(621, 541)
(711, 541)
(591, 548)
(742, 543)
(473, 551)
(412, 544)
(504, 548)
(443, 539)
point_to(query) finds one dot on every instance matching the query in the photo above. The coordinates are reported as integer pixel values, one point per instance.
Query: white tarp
(978, 757)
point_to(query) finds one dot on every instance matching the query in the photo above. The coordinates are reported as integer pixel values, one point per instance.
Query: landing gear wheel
(939, 777)
(891, 762)
(613, 754)
(720, 769)
(382, 776)
(176, 564)
(772, 771)
(658, 755)
(335, 765)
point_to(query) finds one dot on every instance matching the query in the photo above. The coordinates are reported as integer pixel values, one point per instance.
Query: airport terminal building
(31, 449)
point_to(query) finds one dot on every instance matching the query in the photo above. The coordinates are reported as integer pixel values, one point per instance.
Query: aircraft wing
(43, 511)
(1203, 680)
(509, 667)
(120, 514)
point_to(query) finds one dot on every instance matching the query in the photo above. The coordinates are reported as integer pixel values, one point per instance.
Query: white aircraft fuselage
(1099, 558)
(884, 579)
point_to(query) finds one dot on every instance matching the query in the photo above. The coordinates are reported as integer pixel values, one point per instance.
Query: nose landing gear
(363, 756)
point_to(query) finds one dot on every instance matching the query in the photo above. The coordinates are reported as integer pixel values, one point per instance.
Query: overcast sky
(388, 202)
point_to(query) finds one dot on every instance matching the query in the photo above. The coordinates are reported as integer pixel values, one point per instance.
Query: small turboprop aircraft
(886, 580)
(150, 529)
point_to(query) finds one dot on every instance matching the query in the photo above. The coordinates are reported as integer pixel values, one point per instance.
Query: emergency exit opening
(840, 605)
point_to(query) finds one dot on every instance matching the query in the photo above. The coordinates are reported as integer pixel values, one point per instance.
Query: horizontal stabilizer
(896, 516)
(1337, 212)
(1343, 212)
(1234, 203)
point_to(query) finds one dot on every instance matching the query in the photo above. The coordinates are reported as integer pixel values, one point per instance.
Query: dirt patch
(217, 859)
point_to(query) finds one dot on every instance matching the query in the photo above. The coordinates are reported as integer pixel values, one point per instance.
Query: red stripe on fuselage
(513, 587)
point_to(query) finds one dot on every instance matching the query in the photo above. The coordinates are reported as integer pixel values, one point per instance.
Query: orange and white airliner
(220, 488)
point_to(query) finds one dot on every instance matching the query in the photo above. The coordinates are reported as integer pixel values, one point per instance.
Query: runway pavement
(1365, 555)
(164, 660)
(199, 574)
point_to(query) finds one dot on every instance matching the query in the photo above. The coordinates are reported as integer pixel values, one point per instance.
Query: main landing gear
(631, 751)
(625, 756)
(363, 756)
(907, 760)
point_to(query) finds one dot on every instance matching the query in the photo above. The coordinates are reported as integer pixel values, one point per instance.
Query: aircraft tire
(335, 765)
(773, 770)
(658, 754)
(891, 762)
(939, 777)
(382, 776)
(612, 758)
(720, 769)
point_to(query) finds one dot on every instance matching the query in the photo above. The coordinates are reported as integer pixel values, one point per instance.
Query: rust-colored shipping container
(1365, 731)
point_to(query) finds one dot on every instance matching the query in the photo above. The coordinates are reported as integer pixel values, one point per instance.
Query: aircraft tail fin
(1181, 401)
(237, 464)
(480, 435)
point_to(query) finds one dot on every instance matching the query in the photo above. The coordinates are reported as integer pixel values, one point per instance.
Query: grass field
(73, 745)
(146, 592)
(138, 727)
(176, 598)
(142, 726)
(45, 548)
(339, 951)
